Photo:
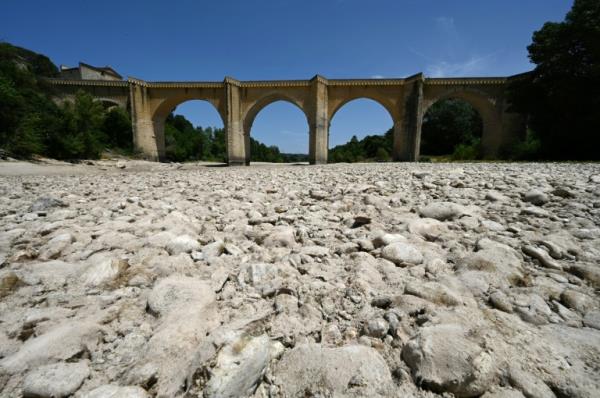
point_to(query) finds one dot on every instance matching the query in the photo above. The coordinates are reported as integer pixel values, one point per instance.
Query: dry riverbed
(135, 279)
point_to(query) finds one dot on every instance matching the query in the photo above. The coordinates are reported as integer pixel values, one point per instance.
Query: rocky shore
(361, 280)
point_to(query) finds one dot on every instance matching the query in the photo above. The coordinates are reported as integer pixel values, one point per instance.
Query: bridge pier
(318, 147)
(148, 135)
(407, 132)
(238, 144)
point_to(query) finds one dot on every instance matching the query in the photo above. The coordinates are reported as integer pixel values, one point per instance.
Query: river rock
(402, 253)
(352, 370)
(443, 359)
(442, 211)
(55, 380)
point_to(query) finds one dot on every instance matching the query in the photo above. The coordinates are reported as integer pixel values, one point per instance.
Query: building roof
(105, 69)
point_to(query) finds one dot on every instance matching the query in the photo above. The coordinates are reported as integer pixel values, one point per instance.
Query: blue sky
(284, 39)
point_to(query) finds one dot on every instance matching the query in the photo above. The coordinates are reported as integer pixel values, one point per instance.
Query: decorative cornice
(289, 83)
(230, 80)
(366, 82)
(185, 84)
(319, 79)
(136, 81)
(275, 83)
(102, 83)
(466, 81)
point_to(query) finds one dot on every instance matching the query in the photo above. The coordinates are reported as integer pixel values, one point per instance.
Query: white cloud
(377, 77)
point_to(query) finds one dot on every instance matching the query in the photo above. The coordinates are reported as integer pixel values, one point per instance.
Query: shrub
(471, 151)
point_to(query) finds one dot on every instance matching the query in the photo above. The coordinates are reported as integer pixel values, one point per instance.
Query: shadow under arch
(483, 104)
(109, 103)
(447, 124)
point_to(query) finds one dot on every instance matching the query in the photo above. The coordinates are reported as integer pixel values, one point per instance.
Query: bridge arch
(385, 103)
(168, 104)
(348, 121)
(254, 109)
(111, 102)
(167, 100)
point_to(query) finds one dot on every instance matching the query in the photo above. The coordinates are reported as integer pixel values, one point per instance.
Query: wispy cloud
(377, 77)
(453, 58)
(445, 23)
(473, 65)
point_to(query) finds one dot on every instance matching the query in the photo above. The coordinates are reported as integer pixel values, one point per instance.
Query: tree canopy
(448, 124)
(562, 94)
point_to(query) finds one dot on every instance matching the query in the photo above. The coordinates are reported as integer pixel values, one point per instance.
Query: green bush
(449, 124)
(382, 155)
(82, 135)
(528, 148)
(117, 129)
(470, 151)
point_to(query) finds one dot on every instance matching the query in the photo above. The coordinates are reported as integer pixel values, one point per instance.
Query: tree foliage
(117, 130)
(32, 124)
(562, 94)
(185, 142)
(81, 134)
(370, 148)
(448, 125)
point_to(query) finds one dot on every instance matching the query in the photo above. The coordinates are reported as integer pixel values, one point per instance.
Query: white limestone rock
(114, 391)
(352, 370)
(403, 254)
(104, 271)
(60, 343)
(55, 380)
(239, 367)
(443, 359)
(442, 211)
(183, 244)
(55, 246)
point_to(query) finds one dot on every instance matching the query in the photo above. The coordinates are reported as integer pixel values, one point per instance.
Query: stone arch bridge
(238, 103)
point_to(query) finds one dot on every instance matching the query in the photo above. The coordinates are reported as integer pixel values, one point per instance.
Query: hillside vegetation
(32, 124)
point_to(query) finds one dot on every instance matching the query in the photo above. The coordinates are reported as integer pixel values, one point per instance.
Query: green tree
(370, 148)
(448, 124)
(81, 135)
(117, 129)
(562, 94)
(382, 155)
(27, 115)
